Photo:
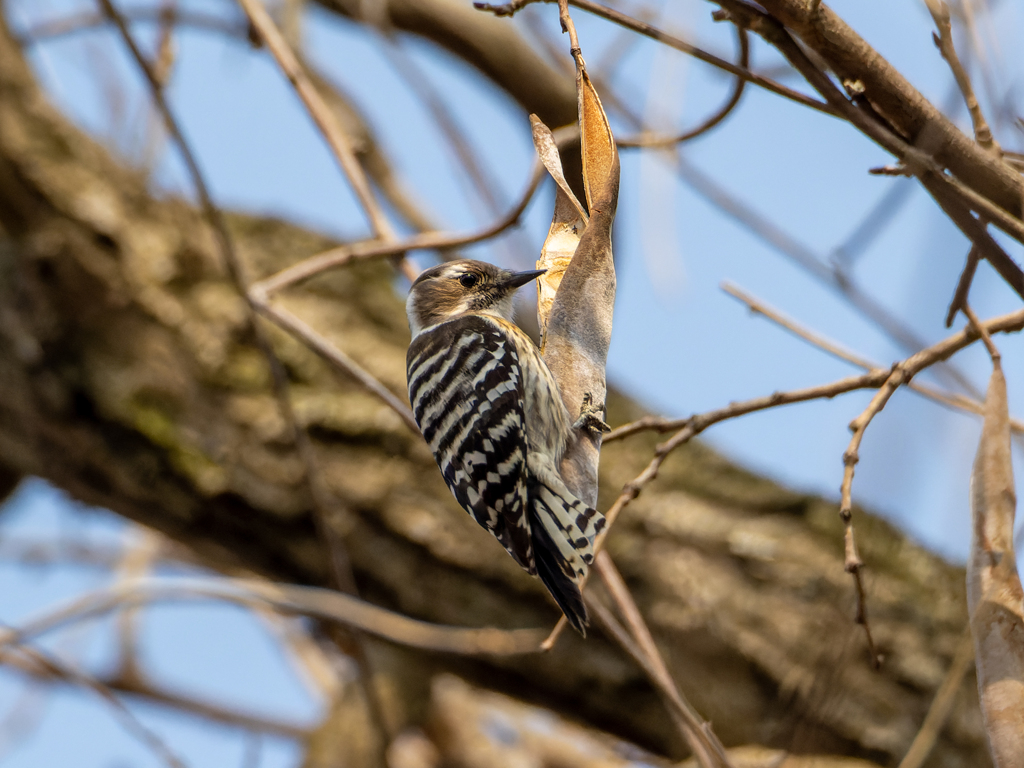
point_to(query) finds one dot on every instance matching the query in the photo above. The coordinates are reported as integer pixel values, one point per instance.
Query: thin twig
(478, 173)
(567, 26)
(86, 20)
(372, 249)
(648, 30)
(963, 285)
(315, 341)
(887, 381)
(326, 512)
(993, 352)
(14, 659)
(941, 705)
(951, 399)
(701, 729)
(315, 602)
(876, 377)
(649, 141)
(615, 631)
(131, 723)
(694, 425)
(885, 210)
(852, 561)
(944, 40)
(321, 114)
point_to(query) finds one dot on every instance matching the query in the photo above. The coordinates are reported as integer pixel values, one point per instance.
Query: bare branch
(314, 602)
(327, 512)
(40, 672)
(127, 718)
(963, 286)
(671, 41)
(982, 133)
(951, 399)
(696, 730)
(321, 114)
(874, 378)
(956, 198)
(888, 381)
(373, 249)
(941, 705)
(910, 113)
(315, 341)
(644, 140)
(83, 21)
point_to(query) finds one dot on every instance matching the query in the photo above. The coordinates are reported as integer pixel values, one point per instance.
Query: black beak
(516, 279)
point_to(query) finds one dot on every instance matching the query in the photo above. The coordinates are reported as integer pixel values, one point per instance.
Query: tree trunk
(128, 378)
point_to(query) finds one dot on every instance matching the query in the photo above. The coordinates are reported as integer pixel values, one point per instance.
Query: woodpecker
(494, 419)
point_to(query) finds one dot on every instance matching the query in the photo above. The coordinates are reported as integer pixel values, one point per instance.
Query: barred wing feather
(465, 386)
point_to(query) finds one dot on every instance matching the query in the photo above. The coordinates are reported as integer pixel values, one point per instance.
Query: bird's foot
(590, 416)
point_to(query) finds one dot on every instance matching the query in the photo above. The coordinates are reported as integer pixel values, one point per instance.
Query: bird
(494, 418)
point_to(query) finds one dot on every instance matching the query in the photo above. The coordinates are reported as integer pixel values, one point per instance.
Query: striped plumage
(493, 417)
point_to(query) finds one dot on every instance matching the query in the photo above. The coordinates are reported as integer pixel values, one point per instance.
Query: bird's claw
(590, 416)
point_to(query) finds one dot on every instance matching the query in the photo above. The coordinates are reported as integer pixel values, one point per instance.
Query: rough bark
(128, 379)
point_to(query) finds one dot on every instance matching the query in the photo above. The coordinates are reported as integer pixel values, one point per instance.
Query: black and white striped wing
(465, 386)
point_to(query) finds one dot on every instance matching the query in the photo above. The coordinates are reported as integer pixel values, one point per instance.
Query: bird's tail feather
(564, 531)
(562, 587)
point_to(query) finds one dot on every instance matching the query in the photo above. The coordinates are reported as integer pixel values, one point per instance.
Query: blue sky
(680, 344)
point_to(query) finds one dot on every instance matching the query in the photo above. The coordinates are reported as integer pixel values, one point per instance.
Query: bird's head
(463, 287)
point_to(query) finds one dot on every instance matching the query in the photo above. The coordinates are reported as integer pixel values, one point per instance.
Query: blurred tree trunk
(127, 378)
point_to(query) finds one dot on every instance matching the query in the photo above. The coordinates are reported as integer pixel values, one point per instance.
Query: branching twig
(874, 378)
(323, 604)
(697, 731)
(944, 40)
(694, 425)
(372, 249)
(941, 705)
(30, 666)
(956, 198)
(887, 382)
(834, 276)
(671, 41)
(678, 709)
(993, 352)
(128, 719)
(690, 427)
(963, 286)
(321, 114)
(315, 341)
(951, 399)
(651, 141)
(325, 509)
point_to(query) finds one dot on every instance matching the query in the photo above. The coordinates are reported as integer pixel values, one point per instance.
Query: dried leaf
(563, 238)
(600, 156)
(547, 151)
(578, 322)
(994, 595)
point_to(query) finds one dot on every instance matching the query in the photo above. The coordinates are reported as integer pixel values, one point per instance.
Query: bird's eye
(468, 280)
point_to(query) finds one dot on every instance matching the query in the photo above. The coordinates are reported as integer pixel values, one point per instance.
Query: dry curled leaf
(577, 296)
(994, 595)
(600, 156)
(567, 225)
(547, 151)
